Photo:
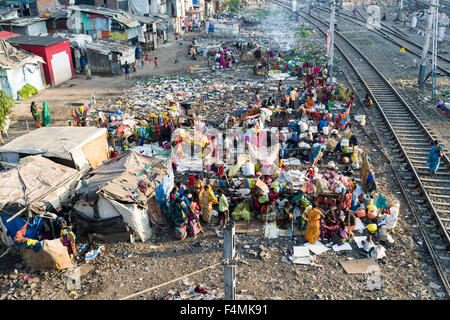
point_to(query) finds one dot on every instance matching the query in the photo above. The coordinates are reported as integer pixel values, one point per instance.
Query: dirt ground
(79, 89)
(264, 270)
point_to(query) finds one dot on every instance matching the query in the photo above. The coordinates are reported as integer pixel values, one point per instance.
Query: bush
(27, 91)
(6, 104)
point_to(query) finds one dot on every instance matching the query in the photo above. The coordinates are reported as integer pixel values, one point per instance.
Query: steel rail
(441, 227)
(387, 29)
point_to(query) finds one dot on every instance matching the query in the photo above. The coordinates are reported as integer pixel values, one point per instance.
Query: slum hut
(56, 21)
(25, 26)
(130, 191)
(164, 26)
(76, 147)
(77, 48)
(34, 199)
(104, 23)
(148, 36)
(8, 13)
(56, 54)
(17, 69)
(107, 56)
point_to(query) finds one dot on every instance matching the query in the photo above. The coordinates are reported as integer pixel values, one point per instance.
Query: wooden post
(28, 128)
(229, 255)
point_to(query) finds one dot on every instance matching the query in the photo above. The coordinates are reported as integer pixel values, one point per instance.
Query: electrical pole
(229, 254)
(423, 62)
(434, 59)
(331, 45)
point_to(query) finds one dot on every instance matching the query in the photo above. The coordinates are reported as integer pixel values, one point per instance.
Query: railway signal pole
(432, 20)
(331, 43)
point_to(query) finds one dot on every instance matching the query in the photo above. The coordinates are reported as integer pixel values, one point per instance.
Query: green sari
(46, 115)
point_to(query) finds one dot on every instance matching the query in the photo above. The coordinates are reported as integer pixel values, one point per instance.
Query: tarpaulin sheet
(119, 178)
(33, 177)
(33, 230)
(140, 7)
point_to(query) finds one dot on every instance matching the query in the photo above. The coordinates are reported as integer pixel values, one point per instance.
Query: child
(146, 58)
(156, 63)
(223, 208)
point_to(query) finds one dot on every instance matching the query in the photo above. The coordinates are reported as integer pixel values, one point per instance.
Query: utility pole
(423, 62)
(229, 254)
(331, 47)
(434, 59)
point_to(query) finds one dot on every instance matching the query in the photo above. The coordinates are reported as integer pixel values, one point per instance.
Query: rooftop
(37, 40)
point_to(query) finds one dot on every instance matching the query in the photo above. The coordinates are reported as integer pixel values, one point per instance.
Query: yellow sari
(312, 229)
(207, 200)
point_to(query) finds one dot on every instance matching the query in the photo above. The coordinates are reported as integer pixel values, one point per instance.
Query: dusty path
(78, 90)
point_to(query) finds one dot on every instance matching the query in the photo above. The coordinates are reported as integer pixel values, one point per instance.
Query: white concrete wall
(37, 28)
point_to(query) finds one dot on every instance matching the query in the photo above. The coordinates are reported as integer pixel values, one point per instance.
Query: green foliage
(232, 5)
(27, 91)
(6, 104)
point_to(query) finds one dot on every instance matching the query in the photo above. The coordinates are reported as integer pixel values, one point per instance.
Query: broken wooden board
(360, 266)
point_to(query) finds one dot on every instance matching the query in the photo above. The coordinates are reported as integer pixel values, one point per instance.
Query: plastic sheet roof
(55, 141)
(12, 57)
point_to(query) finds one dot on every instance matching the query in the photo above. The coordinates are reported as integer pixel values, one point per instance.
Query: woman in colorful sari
(45, 115)
(364, 171)
(330, 227)
(207, 199)
(434, 157)
(312, 229)
(194, 226)
(36, 115)
(223, 63)
(172, 200)
(178, 216)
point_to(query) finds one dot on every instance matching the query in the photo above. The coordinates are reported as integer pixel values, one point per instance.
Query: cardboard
(317, 248)
(302, 260)
(345, 246)
(367, 265)
(300, 251)
(359, 241)
(263, 186)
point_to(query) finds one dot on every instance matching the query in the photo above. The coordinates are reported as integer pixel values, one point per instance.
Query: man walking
(126, 68)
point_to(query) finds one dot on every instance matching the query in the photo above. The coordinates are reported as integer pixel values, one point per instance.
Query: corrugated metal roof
(21, 22)
(106, 46)
(116, 14)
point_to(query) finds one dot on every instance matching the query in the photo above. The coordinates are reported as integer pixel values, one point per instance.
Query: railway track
(424, 114)
(396, 37)
(406, 142)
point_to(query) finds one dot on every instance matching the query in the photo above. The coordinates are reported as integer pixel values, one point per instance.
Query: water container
(83, 62)
(325, 130)
(368, 200)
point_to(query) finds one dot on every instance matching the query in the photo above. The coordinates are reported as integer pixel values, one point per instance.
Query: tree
(6, 104)
(232, 5)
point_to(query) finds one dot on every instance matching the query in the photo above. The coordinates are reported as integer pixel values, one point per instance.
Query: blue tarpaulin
(34, 227)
